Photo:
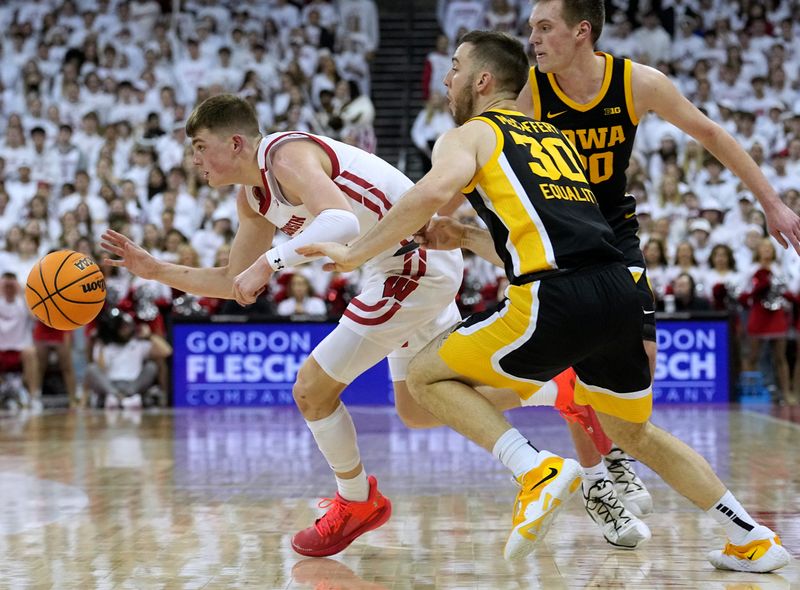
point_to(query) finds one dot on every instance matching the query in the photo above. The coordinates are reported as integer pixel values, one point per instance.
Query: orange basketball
(65, 290)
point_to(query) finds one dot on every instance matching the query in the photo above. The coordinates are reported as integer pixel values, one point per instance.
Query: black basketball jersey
(602, 130)
(535, 200)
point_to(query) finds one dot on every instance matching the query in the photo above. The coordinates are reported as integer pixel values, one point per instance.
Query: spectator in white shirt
(35, 116)
(654, 43)
(713, 185)
(191, 71)
(711, 51)
(224, 73)
(285, 14)
(14, 151)
(360, 17)
(326, 77)
(430, 123)
(127, 107)
(620, 40)
(68, 157)
(770, 127)
(462, 14)
(265, 65)
(23, 187)
(300, 300)
(783, 179)
(328, 16)
(728, 86)
(352, 64)
(183, 206)
(207, 241)
(501, 16)
(88, 139)
(121, 366)
(793, 157)
(687, 43)
(97, 206)
(171, 147)
(437, 63)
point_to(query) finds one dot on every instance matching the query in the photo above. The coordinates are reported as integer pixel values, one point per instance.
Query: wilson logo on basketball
(94, 286)
(83, 263)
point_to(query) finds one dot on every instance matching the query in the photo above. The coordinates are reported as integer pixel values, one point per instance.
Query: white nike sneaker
(620, 528)
(765, 554)
(543, 491)
(630, 489)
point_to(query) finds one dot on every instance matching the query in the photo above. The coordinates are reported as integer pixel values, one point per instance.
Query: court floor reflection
(210, 498)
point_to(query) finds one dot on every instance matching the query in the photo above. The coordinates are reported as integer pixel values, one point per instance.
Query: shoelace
(606, 504)
(332, 519)
(621, 469)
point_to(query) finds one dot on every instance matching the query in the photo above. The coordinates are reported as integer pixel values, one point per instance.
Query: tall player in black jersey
(598, 101)
(570, 302)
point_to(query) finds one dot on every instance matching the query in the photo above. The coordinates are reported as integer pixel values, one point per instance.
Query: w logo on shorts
(399, 288)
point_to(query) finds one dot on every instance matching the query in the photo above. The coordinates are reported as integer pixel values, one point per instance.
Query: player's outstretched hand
(339, 254)
(784, 225)
(441, 233)
(129, 254)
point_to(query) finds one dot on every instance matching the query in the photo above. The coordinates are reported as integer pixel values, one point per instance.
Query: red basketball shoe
(343, 523)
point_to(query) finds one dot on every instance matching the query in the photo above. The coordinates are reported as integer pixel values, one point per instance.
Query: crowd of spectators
(94, 95)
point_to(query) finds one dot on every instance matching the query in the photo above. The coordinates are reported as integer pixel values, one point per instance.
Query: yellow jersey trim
(596, 100)
(537, 103)
(629, 92)
(495, 155)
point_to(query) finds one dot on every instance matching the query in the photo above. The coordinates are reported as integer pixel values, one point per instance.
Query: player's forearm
(205, 282)
(409, 214)
(480, 242)
(728, 151)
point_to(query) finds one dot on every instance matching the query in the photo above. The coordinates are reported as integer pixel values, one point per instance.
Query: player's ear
(482, 80)
(584, 30)
(238, 143)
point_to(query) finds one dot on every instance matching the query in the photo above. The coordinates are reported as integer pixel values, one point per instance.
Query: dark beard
(464, 105)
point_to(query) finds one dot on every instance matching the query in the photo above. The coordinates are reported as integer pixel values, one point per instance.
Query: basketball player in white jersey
(316, 189)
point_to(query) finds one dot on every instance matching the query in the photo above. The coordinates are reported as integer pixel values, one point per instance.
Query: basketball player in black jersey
(571, 300)
(598, 101)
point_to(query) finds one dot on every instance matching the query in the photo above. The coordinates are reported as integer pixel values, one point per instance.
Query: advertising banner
(255, 365)
(693, 363)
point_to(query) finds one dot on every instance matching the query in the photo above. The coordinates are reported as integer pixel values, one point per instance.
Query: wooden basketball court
(210, 498)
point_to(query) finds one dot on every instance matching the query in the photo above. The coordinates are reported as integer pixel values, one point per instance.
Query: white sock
(355, 489)
(515, 452)
(546, 396)
(737, 522)
(592, 474)
(336, 439)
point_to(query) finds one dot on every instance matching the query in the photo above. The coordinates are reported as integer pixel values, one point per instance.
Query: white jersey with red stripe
(406, 299)
(371, 184)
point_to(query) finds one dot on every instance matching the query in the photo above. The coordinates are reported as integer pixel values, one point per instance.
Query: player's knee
(418, 377)
(303, 390)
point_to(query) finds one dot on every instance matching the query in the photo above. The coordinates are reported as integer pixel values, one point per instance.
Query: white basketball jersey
(371, 184)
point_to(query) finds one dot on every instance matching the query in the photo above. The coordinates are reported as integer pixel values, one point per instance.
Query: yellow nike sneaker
(759, 556)
(543, 491)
